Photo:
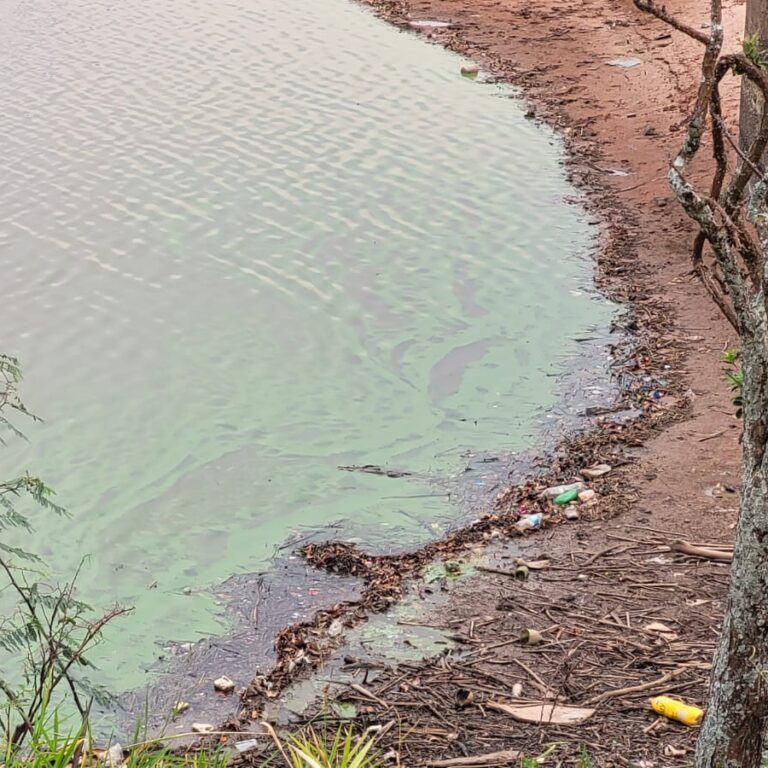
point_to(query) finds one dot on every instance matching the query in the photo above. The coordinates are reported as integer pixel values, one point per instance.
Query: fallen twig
(707, 553)
(636, 688)
(492, 758)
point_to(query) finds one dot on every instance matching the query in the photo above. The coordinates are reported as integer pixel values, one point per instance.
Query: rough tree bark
(730, 256)
(737, 711)
(751, 99)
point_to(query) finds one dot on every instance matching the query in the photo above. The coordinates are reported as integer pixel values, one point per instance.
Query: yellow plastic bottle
(676, 710)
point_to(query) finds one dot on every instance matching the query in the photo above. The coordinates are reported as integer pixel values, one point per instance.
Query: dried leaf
(544, 713)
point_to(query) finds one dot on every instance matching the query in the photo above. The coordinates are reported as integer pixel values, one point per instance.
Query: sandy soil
(608, 580)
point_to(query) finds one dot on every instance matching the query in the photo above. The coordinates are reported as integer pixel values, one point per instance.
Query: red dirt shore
(608, 582)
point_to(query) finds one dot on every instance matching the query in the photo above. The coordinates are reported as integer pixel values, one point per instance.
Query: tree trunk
(737, 712)
(750, 108)
(735, 722)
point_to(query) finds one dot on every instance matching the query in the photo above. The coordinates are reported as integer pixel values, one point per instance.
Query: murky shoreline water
(246, 244)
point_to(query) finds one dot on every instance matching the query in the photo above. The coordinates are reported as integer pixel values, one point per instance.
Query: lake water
(244, 243)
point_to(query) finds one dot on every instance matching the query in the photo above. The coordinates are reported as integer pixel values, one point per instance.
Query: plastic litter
(528, 522)
(530, 636)
(677, 710)
(586, 495)
(470, 70)
(567, 497)
(247, 745)
(557, 490)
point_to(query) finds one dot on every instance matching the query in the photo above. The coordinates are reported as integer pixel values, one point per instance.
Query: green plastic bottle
(566, 498)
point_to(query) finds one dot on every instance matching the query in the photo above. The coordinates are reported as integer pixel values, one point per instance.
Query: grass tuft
(308, 749)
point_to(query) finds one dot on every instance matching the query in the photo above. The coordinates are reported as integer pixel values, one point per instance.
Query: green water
(244, 243)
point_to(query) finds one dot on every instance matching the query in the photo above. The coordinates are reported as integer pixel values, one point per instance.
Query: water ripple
(245, 242)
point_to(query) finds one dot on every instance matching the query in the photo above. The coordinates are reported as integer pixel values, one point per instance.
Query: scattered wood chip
(559, 714)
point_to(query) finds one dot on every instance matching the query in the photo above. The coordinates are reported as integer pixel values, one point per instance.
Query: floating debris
(375, 469)
(470, 70)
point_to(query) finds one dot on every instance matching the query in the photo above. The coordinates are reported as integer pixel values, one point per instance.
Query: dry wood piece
(705, 552)
(491, 759)
(637, 688)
